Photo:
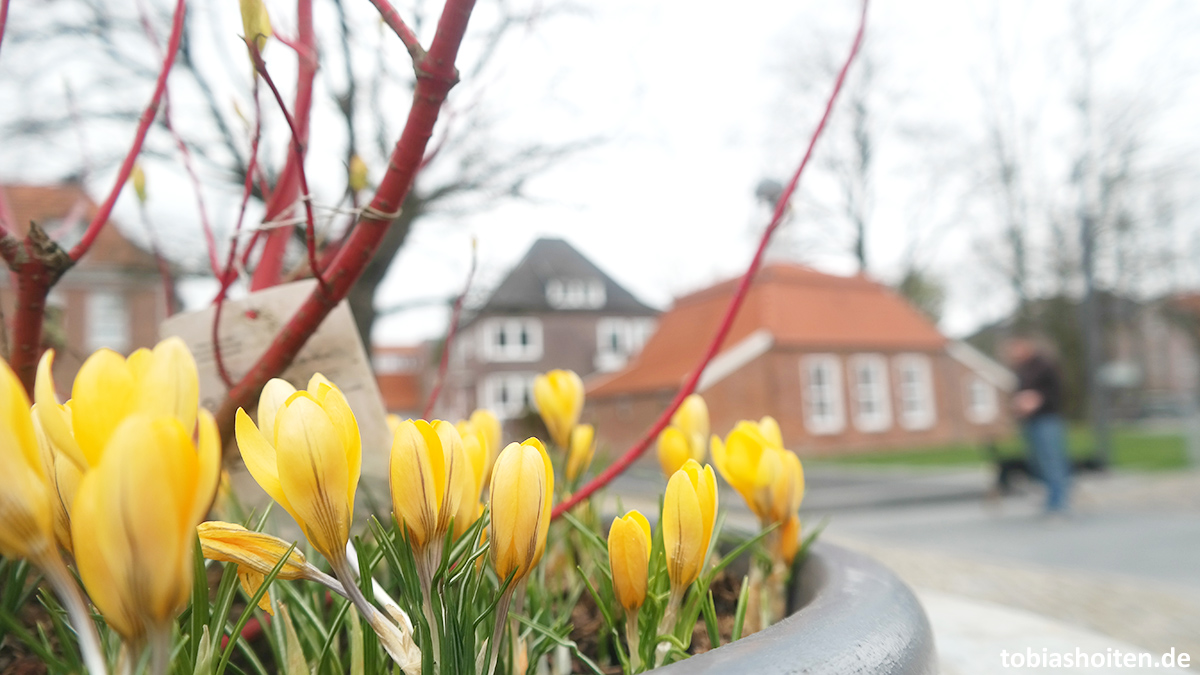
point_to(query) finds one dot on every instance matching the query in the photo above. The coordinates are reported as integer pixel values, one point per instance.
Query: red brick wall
(771, 384)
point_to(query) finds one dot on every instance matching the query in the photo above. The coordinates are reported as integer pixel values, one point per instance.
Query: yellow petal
(414, 490)
(104, 569)
(673, 449)
(629, 555)
(274, 394)
(314, 473)
(692, 417)
(53, 418)
(460, 501)
(558, 395)
(208, 465)
(63, 483)
(520, 498)
(170, 384)
(583, 448)
(261, 461)
(770, 431)
(251, 581)
(102, 397)
(257, 551)
(342, 416)
(683, 536)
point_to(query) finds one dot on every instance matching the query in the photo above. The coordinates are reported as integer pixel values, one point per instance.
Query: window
(386, 363)
(872, 404)
(511, 340)
(619, 339)
(916, 392)
(507, 394)
(822, 377)
(107, 321)
(575, 293)
(981, 400)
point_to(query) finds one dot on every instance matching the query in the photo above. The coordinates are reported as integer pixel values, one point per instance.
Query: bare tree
(469, 165)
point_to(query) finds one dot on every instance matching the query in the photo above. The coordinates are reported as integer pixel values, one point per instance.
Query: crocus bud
(358, 173)
(769, 478)
(307, 458)
(582, 449)
(689, 509)
(430, 479)
(629, 558)
(138, 177)
(475, 445)
(692, 420)
(673, 450)
(256, 22)
(486, 426)
(134, 520)
(522, 486)
(26, 521)
(255, 553)
(559, 398)
(109, 388)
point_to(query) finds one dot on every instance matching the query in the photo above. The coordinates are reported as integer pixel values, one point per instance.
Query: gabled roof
(788, 306)
(524, 289)
(64, 210)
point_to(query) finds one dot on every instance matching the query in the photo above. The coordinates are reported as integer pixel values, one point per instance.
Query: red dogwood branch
(689, 386)
(436, 75)
(455, 315)
(392, 18)
(310, 228)
(3, 19)
(147, 118)
(270, 266)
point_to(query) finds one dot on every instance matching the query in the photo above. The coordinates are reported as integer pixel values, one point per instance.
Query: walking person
(1038, 405)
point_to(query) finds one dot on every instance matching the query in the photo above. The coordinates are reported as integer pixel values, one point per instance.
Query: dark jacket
(1041, 375)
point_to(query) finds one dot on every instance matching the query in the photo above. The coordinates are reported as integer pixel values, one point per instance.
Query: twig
(269, 271)
(436, 75)
(310, 229)
(3, 19)
(455, 315)
(622, 463)
(147, 118)
(227, 275)
(392, 18)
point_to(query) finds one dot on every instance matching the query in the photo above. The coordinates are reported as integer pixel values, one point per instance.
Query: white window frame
(506, 394)
(512, 351)
(576, 293)
(874, 394)
(631, 335)
(108, 321)
(917, 405)
(982, 400)
(824, 409)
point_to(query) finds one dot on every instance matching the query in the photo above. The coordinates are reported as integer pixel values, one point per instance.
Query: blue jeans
(1046, 436)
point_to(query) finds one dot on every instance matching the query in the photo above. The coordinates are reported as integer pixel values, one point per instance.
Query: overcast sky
(693, 101)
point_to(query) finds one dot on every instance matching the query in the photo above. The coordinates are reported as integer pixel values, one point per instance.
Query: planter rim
(854, 616)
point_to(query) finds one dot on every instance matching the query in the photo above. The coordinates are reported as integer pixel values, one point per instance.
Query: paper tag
(248, 326)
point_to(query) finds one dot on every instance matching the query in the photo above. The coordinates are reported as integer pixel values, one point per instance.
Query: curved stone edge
(855, 617)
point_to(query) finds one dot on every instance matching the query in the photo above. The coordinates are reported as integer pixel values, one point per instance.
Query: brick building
(554, 309)
(843, 363)
(112, 298)
(401, 373)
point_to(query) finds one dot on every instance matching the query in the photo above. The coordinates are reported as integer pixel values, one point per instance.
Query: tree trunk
(362, 295)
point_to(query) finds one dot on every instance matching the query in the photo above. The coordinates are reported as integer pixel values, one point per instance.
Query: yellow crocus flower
(308, 459)
(134, 520)
(689, 509)
(109, 388)
(559, 398)
(479, 453)
(686, 437)
(521, 490)
(63, 476)
(256, 554)
(26, 520)
(582, 450)
(629, 558)
(432, 481)
(769, 478)
(489, 425)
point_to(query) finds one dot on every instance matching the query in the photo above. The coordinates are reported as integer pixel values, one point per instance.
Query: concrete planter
(850, 616)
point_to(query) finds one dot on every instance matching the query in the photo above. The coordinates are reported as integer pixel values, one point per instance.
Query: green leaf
(710, 621)
(739, 615)
(235, 636)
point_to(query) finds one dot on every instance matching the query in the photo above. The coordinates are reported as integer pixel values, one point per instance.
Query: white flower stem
(667, 626)
(81, 619)
(389, 634)
(498, 631)
(631, 636)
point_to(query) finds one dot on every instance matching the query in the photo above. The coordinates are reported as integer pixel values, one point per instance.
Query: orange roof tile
(798, 306)
(53, 205)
